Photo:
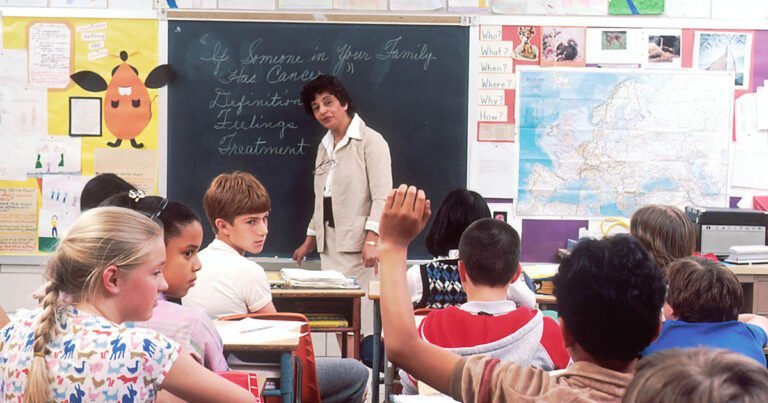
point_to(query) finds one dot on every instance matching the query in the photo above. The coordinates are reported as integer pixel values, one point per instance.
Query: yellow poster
(96, 47)
(98, 81)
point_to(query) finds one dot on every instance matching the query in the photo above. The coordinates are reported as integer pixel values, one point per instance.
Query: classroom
(567, 120)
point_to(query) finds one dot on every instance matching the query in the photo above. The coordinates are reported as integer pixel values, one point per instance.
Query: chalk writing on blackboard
(251, 84)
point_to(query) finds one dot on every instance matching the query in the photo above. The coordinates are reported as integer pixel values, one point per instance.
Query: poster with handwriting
(18, 217)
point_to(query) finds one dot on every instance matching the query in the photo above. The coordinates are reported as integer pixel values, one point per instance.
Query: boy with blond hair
(237, 206)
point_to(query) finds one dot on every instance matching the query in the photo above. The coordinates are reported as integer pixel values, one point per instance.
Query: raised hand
(405, 214)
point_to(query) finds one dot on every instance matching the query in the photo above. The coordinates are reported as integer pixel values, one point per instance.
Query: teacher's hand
(371, 257)
(305, 249)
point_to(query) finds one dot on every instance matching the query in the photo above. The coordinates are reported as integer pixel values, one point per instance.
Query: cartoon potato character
(127, 107)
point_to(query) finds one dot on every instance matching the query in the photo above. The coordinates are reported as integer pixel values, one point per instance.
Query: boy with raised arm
(610, 294)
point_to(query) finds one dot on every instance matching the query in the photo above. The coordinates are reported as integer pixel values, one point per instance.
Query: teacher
(352, 177)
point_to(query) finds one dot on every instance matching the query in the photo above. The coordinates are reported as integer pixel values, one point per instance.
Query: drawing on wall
(54, 222)
(724, 51)
(664, 48)
(625, 7)
(563, 46)
(614, 40)
(127, 107)
(54, 155)
(526, 50)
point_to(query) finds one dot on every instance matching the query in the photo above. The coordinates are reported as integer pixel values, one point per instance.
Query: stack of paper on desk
(747, 254)
(314, 278)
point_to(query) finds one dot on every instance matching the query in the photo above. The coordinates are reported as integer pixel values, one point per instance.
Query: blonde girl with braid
(76, 348)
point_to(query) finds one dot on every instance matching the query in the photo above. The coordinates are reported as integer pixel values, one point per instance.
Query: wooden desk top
(317, 292)
(546, 299)
(747, 269)
(289, 344)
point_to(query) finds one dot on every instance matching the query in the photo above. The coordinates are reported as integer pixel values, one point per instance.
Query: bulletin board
(575, 120)
(57, 135)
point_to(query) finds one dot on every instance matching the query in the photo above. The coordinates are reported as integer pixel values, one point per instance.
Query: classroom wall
(748, 9)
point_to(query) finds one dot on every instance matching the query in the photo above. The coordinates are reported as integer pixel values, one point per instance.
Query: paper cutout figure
(127, 107)
(54, 222)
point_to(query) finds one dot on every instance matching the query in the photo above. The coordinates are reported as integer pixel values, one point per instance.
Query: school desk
(308, 301)
(266, 351)
(754, 281)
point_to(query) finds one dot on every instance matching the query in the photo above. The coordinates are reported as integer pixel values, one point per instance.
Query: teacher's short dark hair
(460, 208)
(325, 83)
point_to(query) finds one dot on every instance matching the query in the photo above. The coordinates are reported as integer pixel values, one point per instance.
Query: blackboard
(235, 106)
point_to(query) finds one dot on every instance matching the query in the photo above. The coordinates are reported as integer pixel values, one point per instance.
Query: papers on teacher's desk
(257, 331)
(301, 278)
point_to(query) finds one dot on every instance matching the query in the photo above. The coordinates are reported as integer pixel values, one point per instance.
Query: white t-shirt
(229, 283)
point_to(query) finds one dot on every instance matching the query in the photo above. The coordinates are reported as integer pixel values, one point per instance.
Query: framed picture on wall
(725, 51)
(85, 116)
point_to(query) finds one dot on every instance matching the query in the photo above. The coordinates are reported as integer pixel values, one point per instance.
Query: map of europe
(597, 142)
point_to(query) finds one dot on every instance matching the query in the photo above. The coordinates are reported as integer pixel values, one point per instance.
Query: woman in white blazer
(352, 177)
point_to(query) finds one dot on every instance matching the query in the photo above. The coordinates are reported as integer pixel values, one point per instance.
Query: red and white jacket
(496, 329)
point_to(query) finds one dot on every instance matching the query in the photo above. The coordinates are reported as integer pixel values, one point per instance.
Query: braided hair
(101, 237)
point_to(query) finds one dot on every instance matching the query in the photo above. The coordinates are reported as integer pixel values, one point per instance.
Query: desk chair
(391, 378)
(245, 380)
(306, 372)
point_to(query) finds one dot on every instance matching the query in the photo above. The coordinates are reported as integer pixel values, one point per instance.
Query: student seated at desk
(702, 309)
(109, 266)
(610, 294)
(695, 375)
(237, 206)
(436, 284)
(488, 323)
(183, 235)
